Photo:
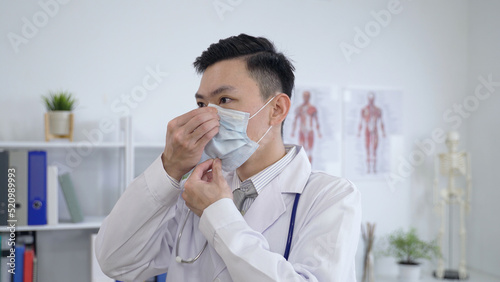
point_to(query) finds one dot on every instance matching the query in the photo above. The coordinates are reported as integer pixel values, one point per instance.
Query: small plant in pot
(59, 119)
(408, 249)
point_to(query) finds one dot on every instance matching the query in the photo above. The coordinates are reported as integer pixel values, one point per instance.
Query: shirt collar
(261, 179)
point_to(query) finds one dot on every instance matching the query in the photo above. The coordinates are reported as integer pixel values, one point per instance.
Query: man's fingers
(207, 176)
(200, 169)
(199, 119)
(203, 140)
(219, 179)
(187, 117)
(217, 170)
(204, 128)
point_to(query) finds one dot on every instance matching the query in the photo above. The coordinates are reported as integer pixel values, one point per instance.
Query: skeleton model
(453, 165)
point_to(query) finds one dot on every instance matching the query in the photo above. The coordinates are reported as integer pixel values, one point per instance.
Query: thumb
(200, 169)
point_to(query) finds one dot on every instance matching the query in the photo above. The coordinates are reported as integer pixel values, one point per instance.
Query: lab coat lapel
(291, 180)
(257, 218)
(260, 217)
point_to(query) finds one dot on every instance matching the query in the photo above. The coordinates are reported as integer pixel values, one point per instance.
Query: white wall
(483, 137)
(100, 51)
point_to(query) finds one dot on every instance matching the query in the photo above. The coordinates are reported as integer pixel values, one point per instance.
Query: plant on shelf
(59, 101)
(59, 119)
(408, 250)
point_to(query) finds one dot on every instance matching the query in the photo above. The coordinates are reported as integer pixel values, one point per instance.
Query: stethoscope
(288, 242)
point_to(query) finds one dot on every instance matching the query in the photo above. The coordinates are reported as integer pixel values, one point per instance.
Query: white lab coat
(137, 240)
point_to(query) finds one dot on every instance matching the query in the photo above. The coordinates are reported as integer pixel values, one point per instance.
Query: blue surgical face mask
(232, 145)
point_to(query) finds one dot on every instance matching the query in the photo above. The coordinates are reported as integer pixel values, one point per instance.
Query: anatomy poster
(371, 118)
(314, 122)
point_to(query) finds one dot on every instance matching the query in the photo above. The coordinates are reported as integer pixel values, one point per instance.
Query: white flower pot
(59, 122)
(409, 273)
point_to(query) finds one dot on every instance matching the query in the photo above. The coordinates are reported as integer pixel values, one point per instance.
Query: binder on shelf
(19, 273)
(71, 199)
(29, 255)
(4, 268)
(35, 269)
(161, 278)
(52, 195)
(4, 186)
(37, 187)
(18, 159)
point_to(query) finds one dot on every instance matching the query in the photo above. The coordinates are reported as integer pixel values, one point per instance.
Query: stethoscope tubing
(292, 226)
(288, 242)
(177, 257)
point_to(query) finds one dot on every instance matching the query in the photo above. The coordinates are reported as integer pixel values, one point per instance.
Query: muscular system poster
(371, 117)
(314, 122)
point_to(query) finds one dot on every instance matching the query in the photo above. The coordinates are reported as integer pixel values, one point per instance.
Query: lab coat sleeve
(323, 248)
(135, 240)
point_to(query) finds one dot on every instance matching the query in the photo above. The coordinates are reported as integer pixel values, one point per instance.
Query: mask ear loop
(264, 134)
(259, 112)
(262, 108)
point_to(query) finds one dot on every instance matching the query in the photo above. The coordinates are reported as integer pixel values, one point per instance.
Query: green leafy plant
(59, 101)
(407, 247)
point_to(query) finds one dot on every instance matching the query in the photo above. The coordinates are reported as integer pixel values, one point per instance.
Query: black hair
(272, 70)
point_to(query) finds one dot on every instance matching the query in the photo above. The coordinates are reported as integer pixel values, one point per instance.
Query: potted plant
(59, 119)
(407, 248)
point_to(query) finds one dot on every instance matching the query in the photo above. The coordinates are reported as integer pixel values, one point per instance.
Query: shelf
(55, 144)
(474, 276)
(91, 222)
(149, 145)
(75, 144)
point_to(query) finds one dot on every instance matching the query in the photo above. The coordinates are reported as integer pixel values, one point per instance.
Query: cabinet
(100, 172)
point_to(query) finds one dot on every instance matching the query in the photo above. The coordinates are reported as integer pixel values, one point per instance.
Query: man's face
(228, 85)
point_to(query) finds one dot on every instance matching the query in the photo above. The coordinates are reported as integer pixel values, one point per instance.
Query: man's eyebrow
(216, 92)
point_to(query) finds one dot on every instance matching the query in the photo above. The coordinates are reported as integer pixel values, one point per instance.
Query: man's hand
(205, 186)
(186, 138)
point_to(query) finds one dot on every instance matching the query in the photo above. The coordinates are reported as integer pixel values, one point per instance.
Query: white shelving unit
(55, 144)
(128, 147)
(112, 165)
(149, 145)
(89, 222)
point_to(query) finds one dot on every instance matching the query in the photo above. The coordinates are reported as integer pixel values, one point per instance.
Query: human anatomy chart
(371, 117)
(314, 122)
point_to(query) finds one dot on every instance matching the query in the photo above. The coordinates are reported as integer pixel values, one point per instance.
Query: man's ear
(281, 106)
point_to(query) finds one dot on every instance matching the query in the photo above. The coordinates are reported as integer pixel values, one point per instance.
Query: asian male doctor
(250, 209)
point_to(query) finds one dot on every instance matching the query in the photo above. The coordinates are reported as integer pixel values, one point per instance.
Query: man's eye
(201, 105)
(225, 100)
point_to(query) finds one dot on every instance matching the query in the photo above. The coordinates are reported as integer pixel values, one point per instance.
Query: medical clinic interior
(399, 97)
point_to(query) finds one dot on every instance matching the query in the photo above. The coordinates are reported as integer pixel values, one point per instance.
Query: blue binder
(37, 188)
(19, 273)
(161, 277)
